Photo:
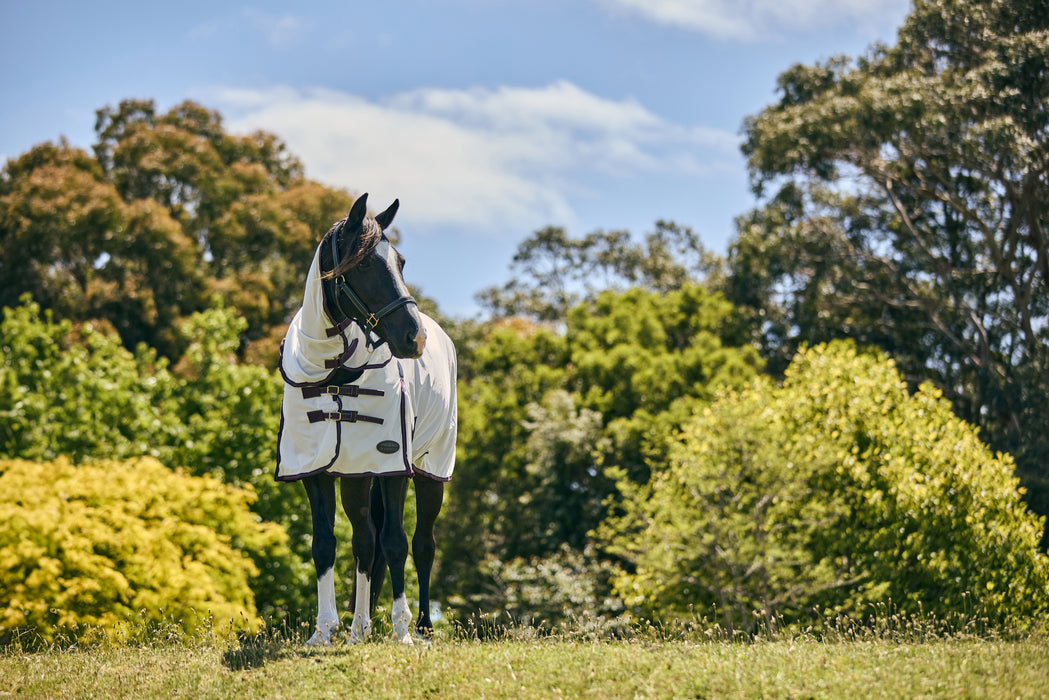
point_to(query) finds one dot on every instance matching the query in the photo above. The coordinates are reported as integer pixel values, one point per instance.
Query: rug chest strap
(312, 392)
(344, 416)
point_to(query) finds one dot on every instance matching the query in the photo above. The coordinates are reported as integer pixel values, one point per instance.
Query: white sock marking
(327, 615)
(402, 621)
(362, 618)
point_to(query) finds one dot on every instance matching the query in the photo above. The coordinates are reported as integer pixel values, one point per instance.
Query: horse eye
(364, 264)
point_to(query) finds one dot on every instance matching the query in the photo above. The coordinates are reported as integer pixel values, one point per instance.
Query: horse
(369, 403)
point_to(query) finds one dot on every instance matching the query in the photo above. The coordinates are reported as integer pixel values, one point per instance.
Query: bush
(833, 492)
(96, 546)
(75, 391)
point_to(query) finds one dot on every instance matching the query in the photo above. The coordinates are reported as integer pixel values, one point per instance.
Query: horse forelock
(354, 245)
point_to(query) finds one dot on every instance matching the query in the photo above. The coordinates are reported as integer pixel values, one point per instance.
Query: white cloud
(761, 19)
(281, 31)
(479, 158)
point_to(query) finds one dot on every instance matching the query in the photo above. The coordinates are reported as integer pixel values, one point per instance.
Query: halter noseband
(370, 319)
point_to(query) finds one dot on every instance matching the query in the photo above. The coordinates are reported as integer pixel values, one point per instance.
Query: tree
(910, 209)
(543, 418)
(109, 546)
(642, 359)
(489, 513)
(70, 241)
(75, 391)
(554, 272)
(170, 212)
(834, 492)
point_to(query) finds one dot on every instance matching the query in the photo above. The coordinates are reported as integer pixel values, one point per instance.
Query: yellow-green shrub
(834, 491)
(98, 546)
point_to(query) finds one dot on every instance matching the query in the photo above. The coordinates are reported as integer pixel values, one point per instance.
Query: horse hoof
(405, 640)
(320, 639)
(359, 633)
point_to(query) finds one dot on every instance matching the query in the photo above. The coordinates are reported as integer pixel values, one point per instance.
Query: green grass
(534, 666)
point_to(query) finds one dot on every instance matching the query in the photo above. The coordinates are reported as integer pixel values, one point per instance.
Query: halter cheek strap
(368, 320)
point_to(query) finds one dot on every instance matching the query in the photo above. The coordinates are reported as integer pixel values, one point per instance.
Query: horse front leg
(429, 496)
(320, 490)
(395, 549)
(356, 502)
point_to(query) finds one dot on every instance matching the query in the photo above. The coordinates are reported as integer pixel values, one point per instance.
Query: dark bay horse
(369, 405)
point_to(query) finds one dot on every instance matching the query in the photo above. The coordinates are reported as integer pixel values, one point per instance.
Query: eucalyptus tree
(554, 271)
(904, 202)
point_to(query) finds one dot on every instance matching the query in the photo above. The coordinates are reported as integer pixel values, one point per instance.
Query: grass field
(538, 667)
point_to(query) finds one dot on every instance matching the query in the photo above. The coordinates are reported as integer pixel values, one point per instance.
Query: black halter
(364, 318)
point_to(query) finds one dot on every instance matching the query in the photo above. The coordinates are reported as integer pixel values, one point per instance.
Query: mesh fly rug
(397, 417)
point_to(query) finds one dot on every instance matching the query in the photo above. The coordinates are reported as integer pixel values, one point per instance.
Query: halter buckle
(371, 322)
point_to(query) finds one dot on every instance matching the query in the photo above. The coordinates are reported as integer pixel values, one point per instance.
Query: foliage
(91, 546)
(909, 209)
(553, 272)
(169, 211)
(544, 415)
(76, 392)
(229, 415)
(487, 510)
(565, 590)
(833, 492)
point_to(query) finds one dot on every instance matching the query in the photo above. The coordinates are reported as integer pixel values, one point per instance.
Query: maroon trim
(280, 434)
(326, 380)
(355, 475)
(427, 475)
(404, 422)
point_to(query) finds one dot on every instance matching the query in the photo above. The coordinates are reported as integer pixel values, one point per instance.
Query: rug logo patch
(387, 447)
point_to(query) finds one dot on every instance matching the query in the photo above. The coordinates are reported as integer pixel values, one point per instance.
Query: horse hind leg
(429, 496)
(320, 490)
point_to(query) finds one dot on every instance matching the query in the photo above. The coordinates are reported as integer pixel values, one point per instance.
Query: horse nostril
(419, 340)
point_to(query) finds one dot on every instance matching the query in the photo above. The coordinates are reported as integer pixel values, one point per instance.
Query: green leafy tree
(69, 239)
(489, 513)
(641, 358)
(229, 417)
(75, 391)
(553, 272)
(110, 546)
(833, 492)
(545, 415)
(906, 204)
(168, 212)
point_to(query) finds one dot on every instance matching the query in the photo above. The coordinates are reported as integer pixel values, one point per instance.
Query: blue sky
(489, 119)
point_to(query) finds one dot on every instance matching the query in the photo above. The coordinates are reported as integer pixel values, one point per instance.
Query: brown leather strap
(344, 416)
(312, 392)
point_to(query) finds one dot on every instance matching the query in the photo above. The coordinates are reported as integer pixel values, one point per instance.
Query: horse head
(364, 280)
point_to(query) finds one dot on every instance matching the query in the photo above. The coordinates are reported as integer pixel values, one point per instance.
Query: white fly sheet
(398, 417)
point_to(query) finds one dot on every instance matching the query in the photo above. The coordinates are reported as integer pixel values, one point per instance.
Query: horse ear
(386, 218)
(358, 211)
